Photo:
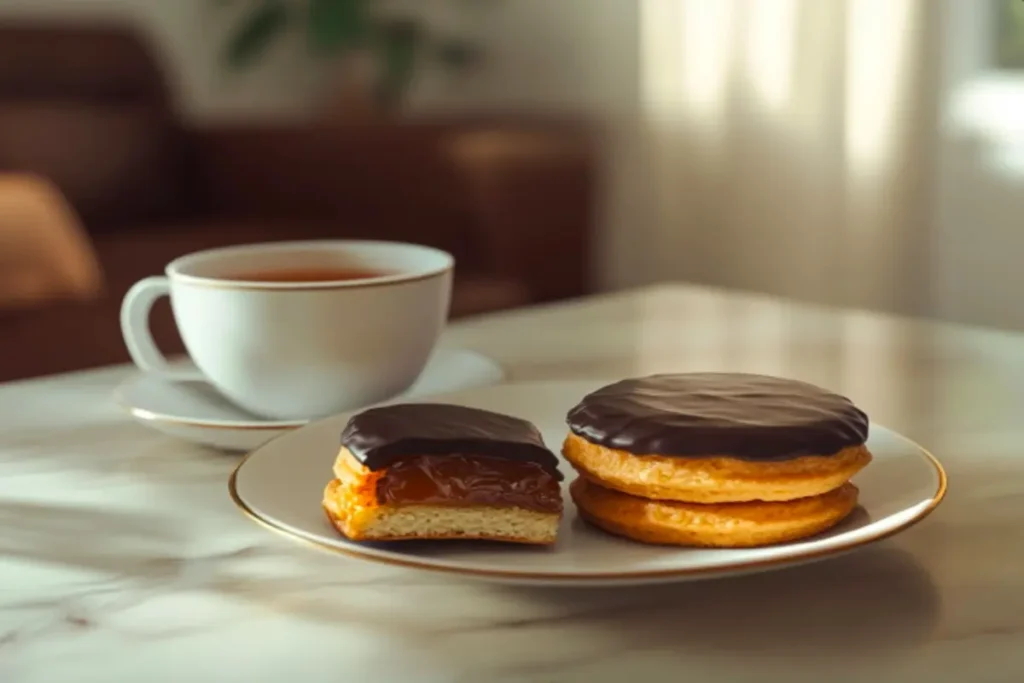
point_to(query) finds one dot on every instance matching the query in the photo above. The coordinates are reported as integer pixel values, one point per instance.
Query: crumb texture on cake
(408, 522)
(713, 479)
(727, 525)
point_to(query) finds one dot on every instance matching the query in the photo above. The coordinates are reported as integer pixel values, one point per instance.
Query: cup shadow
(879, 600)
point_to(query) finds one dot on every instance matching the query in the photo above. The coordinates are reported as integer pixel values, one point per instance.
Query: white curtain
(783, 147)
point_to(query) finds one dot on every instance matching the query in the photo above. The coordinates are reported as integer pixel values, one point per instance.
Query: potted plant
(376, 54)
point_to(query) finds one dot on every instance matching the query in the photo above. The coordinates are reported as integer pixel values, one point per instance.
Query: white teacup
(296, 330)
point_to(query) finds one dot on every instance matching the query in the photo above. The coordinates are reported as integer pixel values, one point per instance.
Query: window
(1009, 34)
(983, 63)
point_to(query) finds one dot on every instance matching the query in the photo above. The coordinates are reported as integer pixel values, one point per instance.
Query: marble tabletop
(123, 559)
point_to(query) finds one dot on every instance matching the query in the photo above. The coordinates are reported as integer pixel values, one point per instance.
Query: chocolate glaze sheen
(381, 436)
(744, 416)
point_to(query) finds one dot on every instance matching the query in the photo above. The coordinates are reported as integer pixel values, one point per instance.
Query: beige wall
(570, 54)
(189, 33)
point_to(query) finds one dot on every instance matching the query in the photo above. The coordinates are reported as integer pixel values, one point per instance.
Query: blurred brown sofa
(88, 107)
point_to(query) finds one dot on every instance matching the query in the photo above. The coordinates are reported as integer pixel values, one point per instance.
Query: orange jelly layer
(469, 480)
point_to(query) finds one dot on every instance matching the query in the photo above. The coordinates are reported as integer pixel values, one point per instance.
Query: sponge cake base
(713, 479)
(724, 525)
(437, 522)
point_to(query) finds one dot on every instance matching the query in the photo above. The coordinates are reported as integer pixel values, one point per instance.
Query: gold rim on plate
(936, 499)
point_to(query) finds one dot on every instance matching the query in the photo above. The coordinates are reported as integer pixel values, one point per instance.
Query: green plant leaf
(256, 30)
(398, 44)
(335, 25)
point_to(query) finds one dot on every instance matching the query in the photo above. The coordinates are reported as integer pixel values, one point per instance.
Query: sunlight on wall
(688, 63)
(876, 73)
(771, 43)
(688, 55)
(685, 58)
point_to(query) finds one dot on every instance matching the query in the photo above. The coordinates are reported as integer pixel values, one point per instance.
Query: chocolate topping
(379, 437)
(749, 417)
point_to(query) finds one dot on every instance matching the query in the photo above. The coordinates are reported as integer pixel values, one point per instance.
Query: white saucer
(281, 484)
(193, 410)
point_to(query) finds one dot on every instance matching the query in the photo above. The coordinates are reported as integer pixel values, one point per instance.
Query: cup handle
(135, 308)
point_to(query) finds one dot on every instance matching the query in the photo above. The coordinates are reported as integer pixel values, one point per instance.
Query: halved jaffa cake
(438, 471)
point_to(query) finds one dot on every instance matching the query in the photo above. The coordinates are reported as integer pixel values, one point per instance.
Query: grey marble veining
(123, 559)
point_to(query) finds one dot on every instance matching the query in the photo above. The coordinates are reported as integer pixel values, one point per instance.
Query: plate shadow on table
(879, 600)
(446, 549)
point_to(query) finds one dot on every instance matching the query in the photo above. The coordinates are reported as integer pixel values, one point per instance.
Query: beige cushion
(45, 254)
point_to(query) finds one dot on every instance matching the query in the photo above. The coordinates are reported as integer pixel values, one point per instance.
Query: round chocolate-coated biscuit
(744, 416)
(380, 436)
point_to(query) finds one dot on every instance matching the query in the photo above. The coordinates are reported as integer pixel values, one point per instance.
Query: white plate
(193, 410)
(281, 483)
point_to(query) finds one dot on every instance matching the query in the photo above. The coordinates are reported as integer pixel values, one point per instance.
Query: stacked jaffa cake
(715, 459)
